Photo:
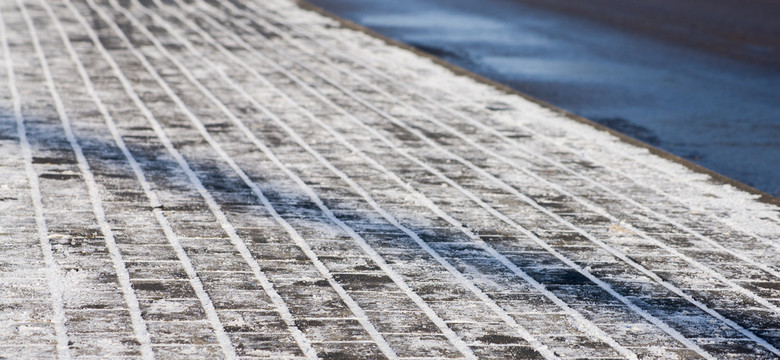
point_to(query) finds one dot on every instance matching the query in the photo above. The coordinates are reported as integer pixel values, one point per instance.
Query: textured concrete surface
(248, 179)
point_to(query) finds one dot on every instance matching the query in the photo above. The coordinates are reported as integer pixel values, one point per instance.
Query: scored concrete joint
(185, 179)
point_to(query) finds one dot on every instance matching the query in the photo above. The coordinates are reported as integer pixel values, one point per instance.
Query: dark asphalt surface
(746, 30)
(698, 80)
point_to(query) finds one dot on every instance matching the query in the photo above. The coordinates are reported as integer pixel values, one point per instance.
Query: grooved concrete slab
(216, 179)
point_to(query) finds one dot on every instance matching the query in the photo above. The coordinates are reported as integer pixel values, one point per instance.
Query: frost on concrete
(201, 179)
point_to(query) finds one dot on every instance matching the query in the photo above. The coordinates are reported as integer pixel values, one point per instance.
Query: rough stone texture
(216, 179)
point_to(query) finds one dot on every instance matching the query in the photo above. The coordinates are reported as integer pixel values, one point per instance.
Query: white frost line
(281, 307)
(403, 152)
(740, 255)
(562, 166)
(173, 239)
(53, 272)
(592, 207)
(582, 323)
(139, 327)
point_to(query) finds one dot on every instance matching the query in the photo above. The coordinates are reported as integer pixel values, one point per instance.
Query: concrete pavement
(195, 179)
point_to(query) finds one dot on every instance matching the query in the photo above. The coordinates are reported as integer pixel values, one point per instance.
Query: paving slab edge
(717, 178)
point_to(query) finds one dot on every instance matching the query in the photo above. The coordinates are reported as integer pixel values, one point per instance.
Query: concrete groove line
(11, 279)
(154, 201)
(53, 272)
(586, 326)
(353, 306)
(523, 148)
(277, 300)
(603, 212)
(139, 326)
(641, 233)
(389, 217)
(552, 142)
(602, 284)
(459, 344)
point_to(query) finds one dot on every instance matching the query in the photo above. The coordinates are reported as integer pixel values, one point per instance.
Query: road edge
(716, 177)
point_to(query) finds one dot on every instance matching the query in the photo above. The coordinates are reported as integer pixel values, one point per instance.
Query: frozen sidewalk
(186, 179)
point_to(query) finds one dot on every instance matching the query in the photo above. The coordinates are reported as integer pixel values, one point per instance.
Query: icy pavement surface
(188, 179)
